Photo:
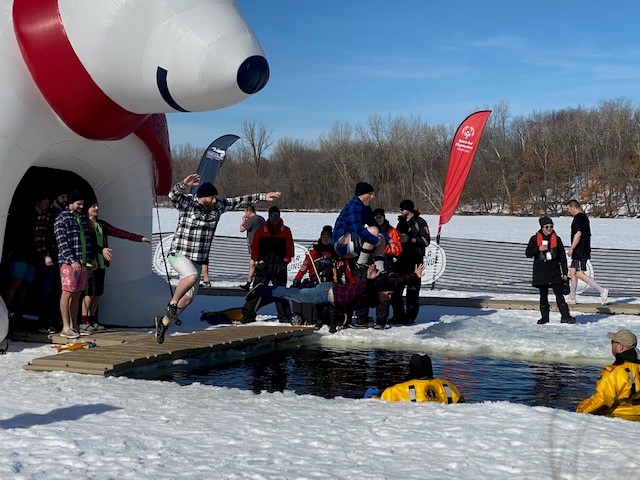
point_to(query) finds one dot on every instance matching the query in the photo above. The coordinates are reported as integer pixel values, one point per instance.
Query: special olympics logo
(468, 132)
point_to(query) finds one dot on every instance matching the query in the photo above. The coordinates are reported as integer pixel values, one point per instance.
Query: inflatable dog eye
(82, 86)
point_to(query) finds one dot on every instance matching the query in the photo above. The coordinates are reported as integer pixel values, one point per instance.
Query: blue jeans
(316, 295)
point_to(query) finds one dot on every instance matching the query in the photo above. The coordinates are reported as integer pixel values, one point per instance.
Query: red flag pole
(463, 150)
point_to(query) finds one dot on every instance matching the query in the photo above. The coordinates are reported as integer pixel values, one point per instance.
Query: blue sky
(440, 60)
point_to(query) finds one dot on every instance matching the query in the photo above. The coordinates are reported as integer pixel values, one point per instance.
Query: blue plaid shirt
(352, 219)
(67, 231)
(197, 225)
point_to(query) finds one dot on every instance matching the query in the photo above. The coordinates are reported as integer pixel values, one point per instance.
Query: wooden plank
(121, 357)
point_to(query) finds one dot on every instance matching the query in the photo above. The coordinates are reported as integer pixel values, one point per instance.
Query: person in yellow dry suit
(421, 388)
(618, 389)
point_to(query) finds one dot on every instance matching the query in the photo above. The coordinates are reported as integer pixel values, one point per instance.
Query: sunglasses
(274, 215)
(379, 216)
(547, 226)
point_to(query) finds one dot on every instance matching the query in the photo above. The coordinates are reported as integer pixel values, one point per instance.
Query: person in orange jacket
(392, 249)
(618, 388)
(421, 387)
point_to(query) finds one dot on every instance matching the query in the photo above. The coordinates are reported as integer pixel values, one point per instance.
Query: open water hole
(331, 372)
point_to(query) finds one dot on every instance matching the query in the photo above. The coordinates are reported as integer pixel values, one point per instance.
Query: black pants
(408, 315)
(276, 274)
(557, 290)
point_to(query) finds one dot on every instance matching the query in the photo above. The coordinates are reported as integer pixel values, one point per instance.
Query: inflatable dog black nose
(253, 74)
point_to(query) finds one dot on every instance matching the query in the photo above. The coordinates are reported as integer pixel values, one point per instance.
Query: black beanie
(407, 205)
(378, 211)
(362, 188)
(273, 209)
(39, 195)
(420, 366)
(74, 196)
(327, 229)
(545, 221)
(207, 190)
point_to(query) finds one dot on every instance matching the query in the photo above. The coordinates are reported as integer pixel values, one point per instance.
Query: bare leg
(65, 309)
(180, 297)
(73, 310)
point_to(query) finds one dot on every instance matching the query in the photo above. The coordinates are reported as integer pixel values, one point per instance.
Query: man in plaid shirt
(75, 252)
(197, 225)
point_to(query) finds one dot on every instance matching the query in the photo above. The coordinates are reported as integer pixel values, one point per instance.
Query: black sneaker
(172, 313)
(360, 325)
(246, 286)
(333, 329)
(569, 320)
(542, 321)
(161, 329)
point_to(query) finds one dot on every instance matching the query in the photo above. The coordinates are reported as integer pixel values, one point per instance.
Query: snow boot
(544, 311)
(565, 315)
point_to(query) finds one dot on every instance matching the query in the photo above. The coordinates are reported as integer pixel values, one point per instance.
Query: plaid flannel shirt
(196, 225)
(67, 231)
(352, 219)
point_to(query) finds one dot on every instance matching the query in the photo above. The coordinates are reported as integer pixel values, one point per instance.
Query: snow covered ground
(61, 425)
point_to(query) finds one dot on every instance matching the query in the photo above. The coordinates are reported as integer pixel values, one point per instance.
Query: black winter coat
(547, 272)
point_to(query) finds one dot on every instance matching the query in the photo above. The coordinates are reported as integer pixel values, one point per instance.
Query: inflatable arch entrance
(83, 88)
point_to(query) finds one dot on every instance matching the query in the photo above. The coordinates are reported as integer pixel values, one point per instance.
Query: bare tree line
(524, 165)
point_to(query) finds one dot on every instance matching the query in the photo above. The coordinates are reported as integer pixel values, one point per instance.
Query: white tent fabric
(202, 45)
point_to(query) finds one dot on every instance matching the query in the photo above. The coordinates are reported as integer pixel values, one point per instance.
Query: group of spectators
(361, 263)
(58, 253)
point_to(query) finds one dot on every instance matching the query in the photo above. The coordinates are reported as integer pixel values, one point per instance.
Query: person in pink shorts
(75, 253)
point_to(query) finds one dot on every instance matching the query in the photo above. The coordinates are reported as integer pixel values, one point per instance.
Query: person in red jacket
(271, 250)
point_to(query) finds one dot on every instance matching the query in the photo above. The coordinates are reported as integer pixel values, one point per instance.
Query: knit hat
(39, 195)
(545, 221)
(378, 211)
(74, 196)
(624, 337)
(207, 190)
(420, 366)
(407, 205)
(90, 201)
(327, 229)
(273, 209)
(363, 188)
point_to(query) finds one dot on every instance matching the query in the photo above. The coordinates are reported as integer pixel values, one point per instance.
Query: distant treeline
(525, 165)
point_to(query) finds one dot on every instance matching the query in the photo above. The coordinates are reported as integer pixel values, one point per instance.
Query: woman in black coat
(549, 269)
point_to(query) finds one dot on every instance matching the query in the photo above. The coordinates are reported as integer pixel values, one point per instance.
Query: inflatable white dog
(81, 82)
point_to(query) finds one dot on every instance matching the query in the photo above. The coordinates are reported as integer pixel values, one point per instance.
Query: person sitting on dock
(197, 223)
(421, 386)
(370, 290)
(618, 389)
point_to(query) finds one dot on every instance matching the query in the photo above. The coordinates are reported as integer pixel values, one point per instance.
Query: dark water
(331, 372)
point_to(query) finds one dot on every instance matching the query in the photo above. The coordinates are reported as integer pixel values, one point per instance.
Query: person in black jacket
(549, 269)
(415, 238)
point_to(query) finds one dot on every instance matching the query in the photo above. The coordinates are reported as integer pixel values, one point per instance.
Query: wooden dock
(516, 304)
(118, 353)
